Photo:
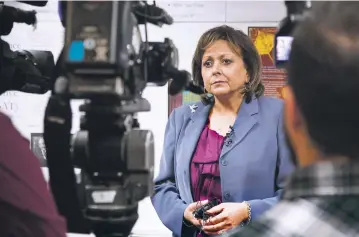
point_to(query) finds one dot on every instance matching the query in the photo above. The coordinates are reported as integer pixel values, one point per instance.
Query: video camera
(296, 11)
(106, 62)
(25, 70)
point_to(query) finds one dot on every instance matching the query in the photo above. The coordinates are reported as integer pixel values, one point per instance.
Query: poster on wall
(185, 97)
(274, 79)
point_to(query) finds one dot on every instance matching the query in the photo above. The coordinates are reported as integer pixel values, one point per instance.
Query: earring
(207, 94)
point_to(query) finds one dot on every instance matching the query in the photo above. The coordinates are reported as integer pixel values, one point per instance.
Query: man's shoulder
(5, 121)
(26, 189)
(9, 133)
(293, 218)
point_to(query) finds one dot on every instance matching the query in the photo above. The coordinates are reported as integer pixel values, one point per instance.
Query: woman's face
(223, 71)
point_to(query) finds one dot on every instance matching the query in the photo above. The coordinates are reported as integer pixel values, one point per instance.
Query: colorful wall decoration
(274, 79)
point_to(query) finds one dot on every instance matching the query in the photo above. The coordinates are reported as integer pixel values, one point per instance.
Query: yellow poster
(274, 79)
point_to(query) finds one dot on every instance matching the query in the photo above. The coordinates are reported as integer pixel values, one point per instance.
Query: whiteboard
(195, 11)
(255, 11)
(224, 11)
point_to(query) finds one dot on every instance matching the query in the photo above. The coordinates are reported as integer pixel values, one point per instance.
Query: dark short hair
(242, 45)
(323, 72)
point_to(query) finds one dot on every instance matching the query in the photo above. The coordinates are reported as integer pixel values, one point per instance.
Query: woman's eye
(207, 63)
(227, 61)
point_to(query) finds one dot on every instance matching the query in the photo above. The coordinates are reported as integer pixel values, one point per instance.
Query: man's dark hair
(323, 71)
(242, 45)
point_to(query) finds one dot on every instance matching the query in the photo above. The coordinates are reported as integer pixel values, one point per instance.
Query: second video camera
(24, 70)
(296, 11)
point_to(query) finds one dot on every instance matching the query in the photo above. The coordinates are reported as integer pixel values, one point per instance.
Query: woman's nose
(216, 69)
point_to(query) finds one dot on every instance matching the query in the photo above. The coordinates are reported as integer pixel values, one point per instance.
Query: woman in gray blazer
(230, 148)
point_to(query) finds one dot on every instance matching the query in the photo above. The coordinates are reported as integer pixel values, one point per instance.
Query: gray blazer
(253, 167)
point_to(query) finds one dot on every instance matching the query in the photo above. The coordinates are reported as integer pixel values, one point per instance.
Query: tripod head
(106, 62)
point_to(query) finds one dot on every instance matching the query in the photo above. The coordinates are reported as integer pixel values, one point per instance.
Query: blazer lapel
(192, 133)
(245, 121)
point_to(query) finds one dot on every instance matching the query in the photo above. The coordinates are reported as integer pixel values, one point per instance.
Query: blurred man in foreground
(27, 208)
(322, 121)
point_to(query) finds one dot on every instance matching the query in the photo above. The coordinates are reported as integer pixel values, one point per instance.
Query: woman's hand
(188, 213)
(225, 216)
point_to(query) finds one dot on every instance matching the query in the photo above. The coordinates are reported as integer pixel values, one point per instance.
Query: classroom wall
(191, 20)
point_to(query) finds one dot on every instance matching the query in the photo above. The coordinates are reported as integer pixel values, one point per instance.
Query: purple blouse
(205, 178)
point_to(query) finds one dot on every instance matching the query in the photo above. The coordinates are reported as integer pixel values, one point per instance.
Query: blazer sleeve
(285, 167)
(166, 199)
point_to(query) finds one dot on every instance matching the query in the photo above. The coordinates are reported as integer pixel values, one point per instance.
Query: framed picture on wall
(274, 79)
(38, 147)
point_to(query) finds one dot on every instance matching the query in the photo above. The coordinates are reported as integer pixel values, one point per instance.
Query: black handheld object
(106, 61)
(201, 212)
(27, 70)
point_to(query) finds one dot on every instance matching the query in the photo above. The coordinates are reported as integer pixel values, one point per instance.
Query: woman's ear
(248, 77)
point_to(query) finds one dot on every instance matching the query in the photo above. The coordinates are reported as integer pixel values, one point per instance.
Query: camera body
(296, 11)
(102, 50)
(106, 55)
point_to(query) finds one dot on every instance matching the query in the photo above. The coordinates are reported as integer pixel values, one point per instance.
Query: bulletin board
(274, 79)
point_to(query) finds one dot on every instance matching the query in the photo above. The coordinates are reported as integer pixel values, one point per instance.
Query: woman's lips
(218, 82)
